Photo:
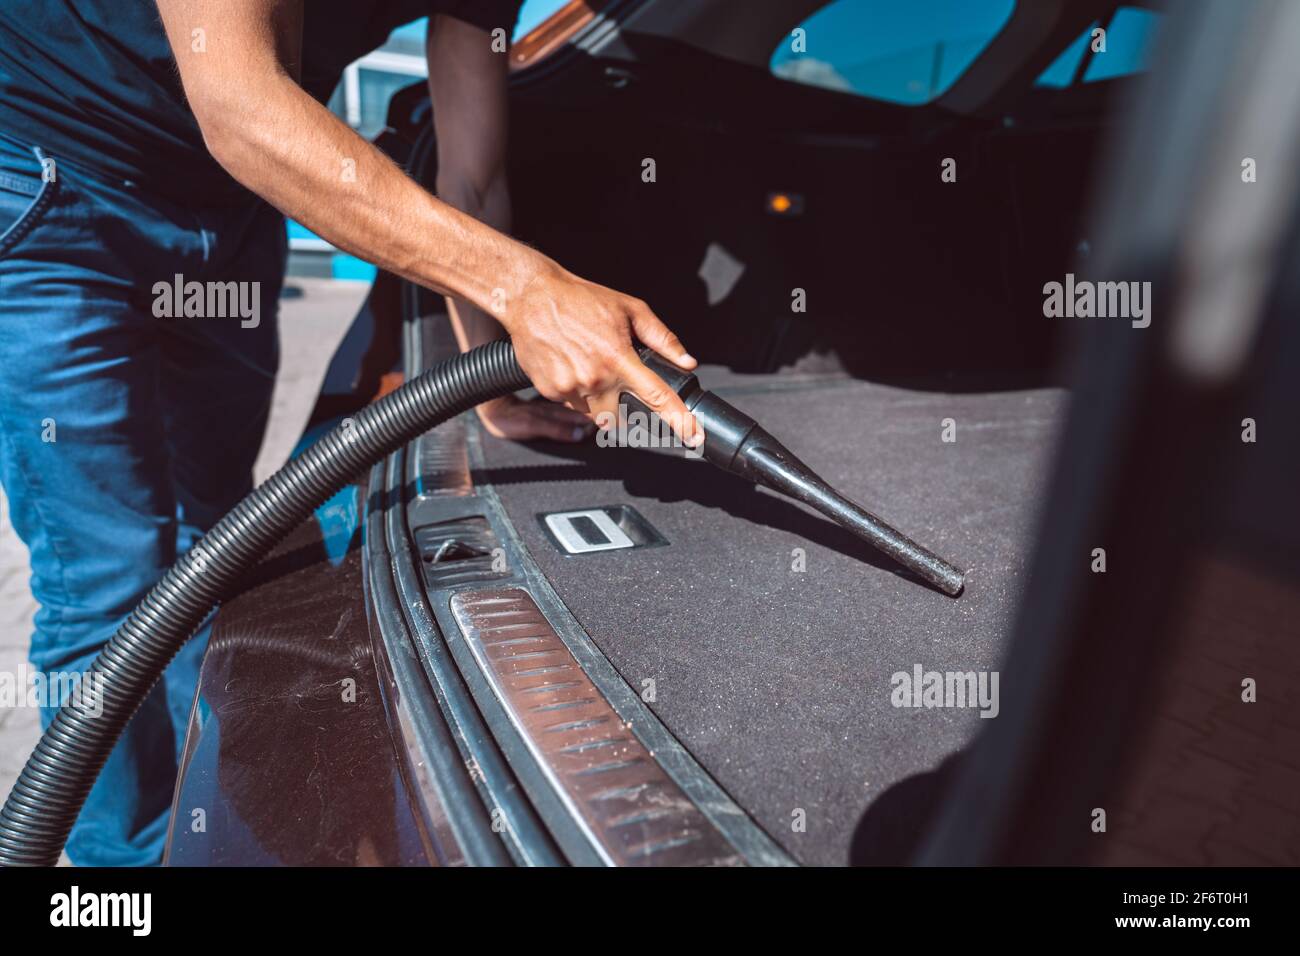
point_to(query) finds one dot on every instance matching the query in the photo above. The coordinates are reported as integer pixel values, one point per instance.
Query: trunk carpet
(779, 680)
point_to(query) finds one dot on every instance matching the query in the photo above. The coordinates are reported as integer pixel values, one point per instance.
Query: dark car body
(421, 675)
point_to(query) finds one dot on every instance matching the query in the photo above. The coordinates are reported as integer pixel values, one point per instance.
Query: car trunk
(889, 332)
(764, 636)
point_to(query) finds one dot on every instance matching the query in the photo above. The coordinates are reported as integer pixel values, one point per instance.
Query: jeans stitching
(31, 216)
(20, 185)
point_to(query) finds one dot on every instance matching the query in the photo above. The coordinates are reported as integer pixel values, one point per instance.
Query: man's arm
(574, 338)
(467, 84)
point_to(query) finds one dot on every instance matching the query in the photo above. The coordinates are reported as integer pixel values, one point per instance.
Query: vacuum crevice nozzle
(735, 442)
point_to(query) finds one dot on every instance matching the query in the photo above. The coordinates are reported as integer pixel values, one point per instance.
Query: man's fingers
(649, 387)
(659, 337)
(662, 400)
(605, 410)
(580, 405)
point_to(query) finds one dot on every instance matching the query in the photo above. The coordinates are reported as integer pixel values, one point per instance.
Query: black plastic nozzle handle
(738, 444)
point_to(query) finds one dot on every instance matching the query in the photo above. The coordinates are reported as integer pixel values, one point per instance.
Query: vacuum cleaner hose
(45, 801)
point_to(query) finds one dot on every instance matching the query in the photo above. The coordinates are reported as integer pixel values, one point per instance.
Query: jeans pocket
(25, 194)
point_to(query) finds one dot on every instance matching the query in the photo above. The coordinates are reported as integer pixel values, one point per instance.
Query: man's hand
(575, 339)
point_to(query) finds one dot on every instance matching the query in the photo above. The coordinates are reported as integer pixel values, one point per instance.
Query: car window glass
(905, 53)
(1129, 37)
(1062, 70)
(1128, 45)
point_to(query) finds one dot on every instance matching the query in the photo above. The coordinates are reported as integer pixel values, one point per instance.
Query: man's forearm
(295, 153)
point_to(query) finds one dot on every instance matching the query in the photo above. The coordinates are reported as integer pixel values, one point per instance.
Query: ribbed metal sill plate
(632, 809)
(441, 465)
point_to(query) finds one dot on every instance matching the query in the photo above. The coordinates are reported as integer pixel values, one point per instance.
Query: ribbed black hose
(45, 801)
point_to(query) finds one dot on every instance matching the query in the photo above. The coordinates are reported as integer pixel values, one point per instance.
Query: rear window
(1130, 35)
(906, 53)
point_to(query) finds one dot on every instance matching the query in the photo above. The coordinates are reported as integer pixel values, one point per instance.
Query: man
(133, 137)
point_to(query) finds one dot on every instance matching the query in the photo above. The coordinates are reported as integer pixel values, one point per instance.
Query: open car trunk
(764, 636)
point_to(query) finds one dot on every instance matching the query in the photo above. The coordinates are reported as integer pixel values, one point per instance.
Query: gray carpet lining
(778, 680)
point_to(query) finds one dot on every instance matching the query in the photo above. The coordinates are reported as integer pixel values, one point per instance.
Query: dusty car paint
(288, 759)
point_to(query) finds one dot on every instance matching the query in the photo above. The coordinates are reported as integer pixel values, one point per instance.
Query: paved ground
(310, 330)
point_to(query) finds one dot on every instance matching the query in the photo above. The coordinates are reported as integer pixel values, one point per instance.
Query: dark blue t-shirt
(94, 81)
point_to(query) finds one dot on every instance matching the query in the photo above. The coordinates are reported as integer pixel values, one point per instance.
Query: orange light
(779, 202)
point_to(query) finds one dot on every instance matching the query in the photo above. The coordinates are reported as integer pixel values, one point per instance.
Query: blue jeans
(124, 434)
